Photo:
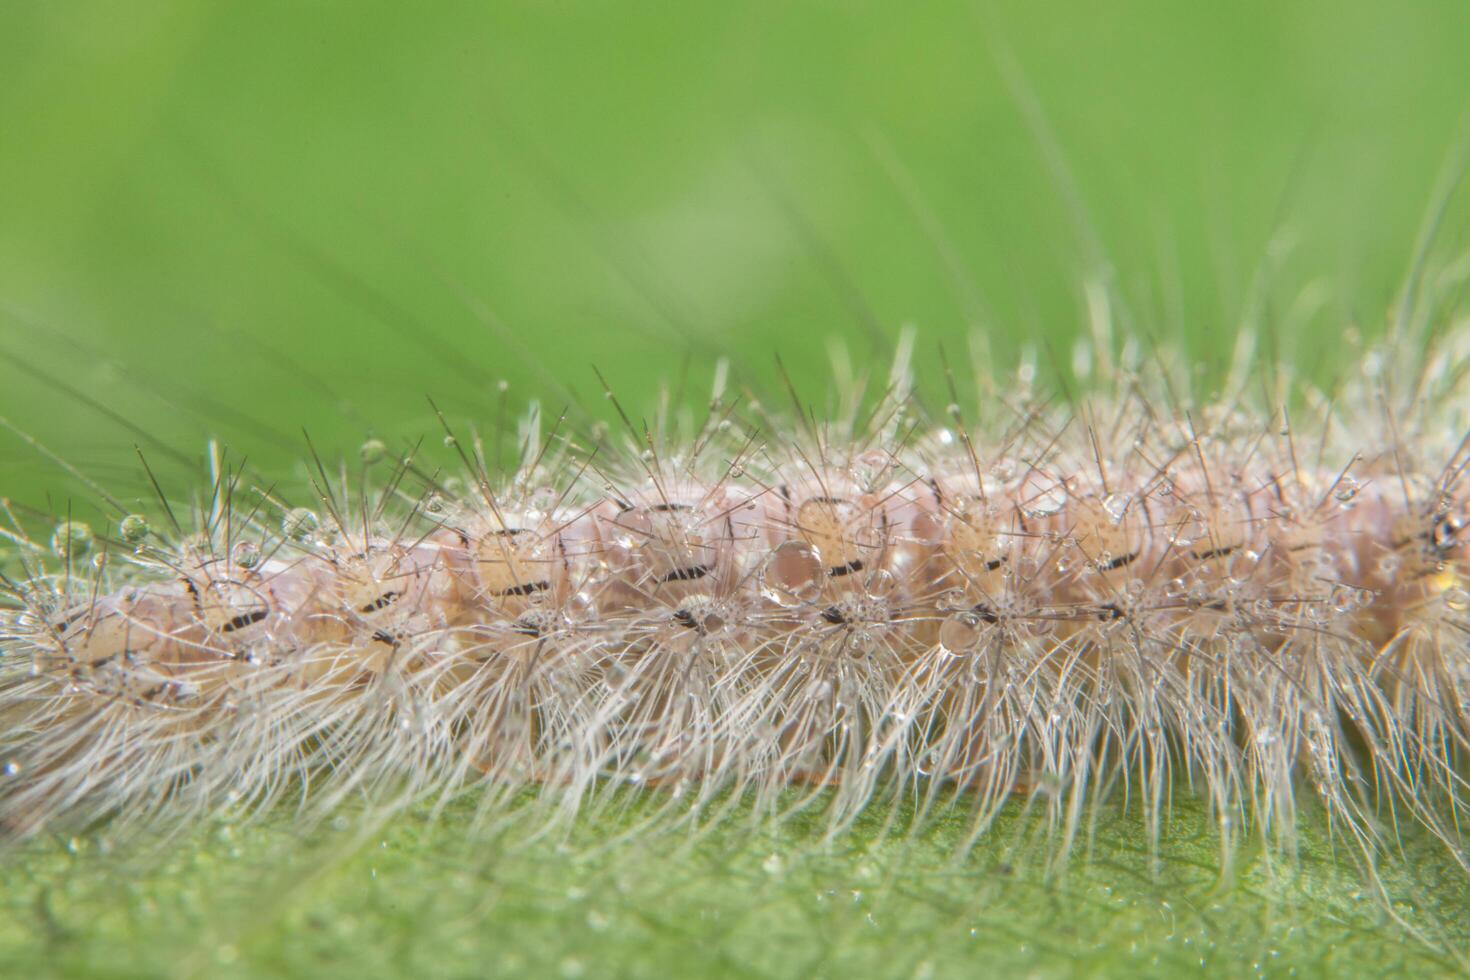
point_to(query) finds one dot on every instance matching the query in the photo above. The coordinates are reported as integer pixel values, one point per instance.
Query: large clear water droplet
(794, 574)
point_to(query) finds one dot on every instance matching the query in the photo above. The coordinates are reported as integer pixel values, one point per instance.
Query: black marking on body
(69, 621)
(834, 616)
(1221, 552)
(986, 613)
(525, 588)
(173, 689)
(1119, 562)
(856, 565)
(688, 574)
(244, 619)
(381, 602)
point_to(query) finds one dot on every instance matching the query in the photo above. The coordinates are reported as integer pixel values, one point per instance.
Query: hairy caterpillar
(1056, 600)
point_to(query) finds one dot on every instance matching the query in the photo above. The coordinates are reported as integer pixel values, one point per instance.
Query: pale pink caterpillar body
(1062, 601)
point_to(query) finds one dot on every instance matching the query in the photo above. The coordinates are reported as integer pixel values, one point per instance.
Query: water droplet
(870, 469)
(1046, 502)
(794, 574)
(950, 600)
(960, 633)
(247, 554)
(1116, 504)
(582, 606)
(133, 528)
(71, 539)
(880, 584)
(372, 451)
(299, 523)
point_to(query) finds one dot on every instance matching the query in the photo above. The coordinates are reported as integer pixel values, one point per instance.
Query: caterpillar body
(1064, 601)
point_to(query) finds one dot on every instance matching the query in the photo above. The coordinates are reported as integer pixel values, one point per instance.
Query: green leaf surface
(419, 895)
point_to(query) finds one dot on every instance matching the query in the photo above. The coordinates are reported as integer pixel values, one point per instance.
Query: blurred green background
(239, 219)
(231, 219)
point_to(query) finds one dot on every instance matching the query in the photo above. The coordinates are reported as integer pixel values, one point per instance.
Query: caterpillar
(1261, 595)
